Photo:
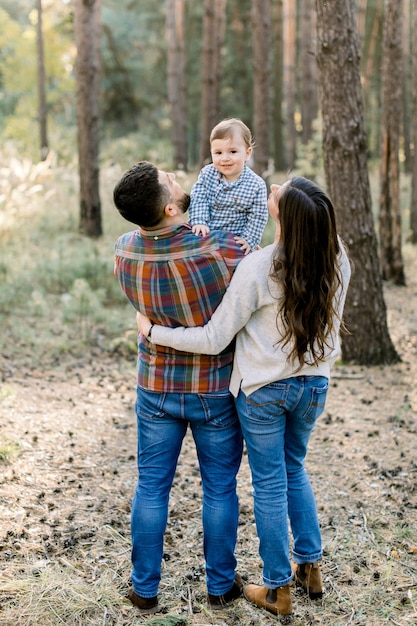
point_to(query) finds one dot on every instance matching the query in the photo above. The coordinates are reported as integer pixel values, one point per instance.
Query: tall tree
(406, 83)
(87, 40)
(214, 22)
(308, 74)
(346, 169)
(43, 125)
(278, 53)
(413, 207)
(390, 210)
(290, 78)
(371, 75)
(261, 44)
(177, 93)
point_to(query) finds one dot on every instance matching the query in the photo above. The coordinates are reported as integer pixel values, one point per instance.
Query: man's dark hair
(139, 196)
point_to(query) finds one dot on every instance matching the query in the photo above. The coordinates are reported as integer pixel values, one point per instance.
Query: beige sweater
(248, 310)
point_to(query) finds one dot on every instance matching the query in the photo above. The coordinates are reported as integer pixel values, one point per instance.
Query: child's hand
(200, 229)
(144, 323)
(243, 244)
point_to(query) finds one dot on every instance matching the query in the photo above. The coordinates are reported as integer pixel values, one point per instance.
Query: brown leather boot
(276, 601)
(145, 605)
(308, 577)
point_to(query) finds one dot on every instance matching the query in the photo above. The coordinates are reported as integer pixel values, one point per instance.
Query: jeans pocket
(149, 405)
(267, 402)
(317, 403)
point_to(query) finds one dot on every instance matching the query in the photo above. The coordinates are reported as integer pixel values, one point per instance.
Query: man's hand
(200, 229)
(144, 323)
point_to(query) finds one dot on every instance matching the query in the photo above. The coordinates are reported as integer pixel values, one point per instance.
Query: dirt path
(65, 498)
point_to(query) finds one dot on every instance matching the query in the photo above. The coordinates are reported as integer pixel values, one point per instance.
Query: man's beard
(184, 203)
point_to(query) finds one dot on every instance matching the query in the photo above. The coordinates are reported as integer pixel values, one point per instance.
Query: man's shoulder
(223, 238)
(127, 237)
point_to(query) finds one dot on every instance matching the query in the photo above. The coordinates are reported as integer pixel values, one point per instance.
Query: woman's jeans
(163, 419)
(277, 421)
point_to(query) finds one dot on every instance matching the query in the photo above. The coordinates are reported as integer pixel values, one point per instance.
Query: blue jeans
(163, 419)
(277, 421)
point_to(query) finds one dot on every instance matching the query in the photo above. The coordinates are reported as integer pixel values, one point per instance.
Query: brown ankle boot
(308, 577)
(276, 601)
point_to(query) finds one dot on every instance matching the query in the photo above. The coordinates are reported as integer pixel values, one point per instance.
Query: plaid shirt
(239, 206)
(177, 279)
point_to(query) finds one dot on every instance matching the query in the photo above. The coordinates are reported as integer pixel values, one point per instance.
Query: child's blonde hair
(228, 128)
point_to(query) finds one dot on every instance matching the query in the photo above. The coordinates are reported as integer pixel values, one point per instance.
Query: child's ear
(248, 153)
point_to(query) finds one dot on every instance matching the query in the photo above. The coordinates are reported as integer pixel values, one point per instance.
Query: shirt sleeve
(257, 219)
(199, 211)
(230, 316)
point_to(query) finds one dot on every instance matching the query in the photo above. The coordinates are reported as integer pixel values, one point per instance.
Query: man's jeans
(277, 421)
(162, 424)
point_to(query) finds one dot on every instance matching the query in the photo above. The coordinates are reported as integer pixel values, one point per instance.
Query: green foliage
(8, 450)
(18, 73)
(58, 288)
(168, 620)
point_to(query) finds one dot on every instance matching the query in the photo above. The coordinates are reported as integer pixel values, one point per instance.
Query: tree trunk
(371, 60)
(261, 38)
(406, 84)
(308, 75)
(413, 208)
(43, 115)
(214, 22)
(87, 40)
(290, 49)
(346, 169)
(177, 95)
(277, 84)
(389, 210)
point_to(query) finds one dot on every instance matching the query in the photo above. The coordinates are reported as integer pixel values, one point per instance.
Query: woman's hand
(144, 323)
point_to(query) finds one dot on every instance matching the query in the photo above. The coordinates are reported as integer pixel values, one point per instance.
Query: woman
(285, 305)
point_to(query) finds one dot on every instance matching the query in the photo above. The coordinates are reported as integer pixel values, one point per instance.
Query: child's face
(230, 155)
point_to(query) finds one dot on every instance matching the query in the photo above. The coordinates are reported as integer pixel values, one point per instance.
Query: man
(177, 278)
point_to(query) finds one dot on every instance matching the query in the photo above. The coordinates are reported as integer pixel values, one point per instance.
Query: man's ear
(170, 210)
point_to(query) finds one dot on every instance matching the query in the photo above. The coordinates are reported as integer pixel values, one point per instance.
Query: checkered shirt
(177, 279)
(239, 207)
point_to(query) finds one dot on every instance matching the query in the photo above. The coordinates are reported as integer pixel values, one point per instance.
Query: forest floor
(68, 472)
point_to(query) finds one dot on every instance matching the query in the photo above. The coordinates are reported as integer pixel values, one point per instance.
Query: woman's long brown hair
(305, 264)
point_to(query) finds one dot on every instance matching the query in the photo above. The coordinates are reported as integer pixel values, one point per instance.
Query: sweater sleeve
(237, 306)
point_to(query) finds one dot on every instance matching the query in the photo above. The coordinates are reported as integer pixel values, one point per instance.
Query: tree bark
(278, 91)
(177, 91)
(346, 169)
(390, 210)
(214, 22)
(371, 59)
(261, 29)
(43, 113)
(290, 79)
(87, 39)
(413, 207)
(308, 74)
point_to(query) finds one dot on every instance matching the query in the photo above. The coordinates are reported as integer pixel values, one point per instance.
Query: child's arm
(199, 211)
(257, 219)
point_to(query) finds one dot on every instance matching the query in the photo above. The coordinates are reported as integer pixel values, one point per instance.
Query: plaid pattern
(177, 279)
(239, 206)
